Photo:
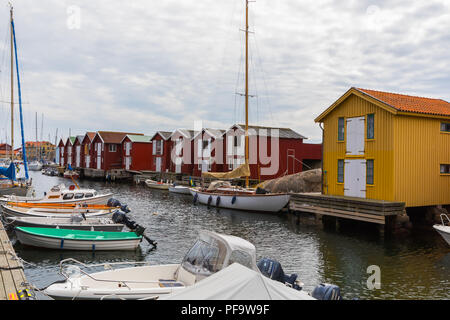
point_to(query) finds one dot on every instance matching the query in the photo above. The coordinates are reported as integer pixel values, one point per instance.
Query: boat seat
(169, 283)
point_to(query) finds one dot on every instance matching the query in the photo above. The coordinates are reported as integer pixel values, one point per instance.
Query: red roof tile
(407, 103)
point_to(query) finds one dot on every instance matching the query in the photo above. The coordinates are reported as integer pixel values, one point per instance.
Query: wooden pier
(383, 213)
(12, 277)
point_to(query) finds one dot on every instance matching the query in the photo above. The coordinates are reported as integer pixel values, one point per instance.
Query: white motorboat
(10, 210)
(180, 189)
(75, 222)
(209, 254)
(157, 184)
(35, 166)
(68, 239)
(62, 194)
(442, 229)
(244, 200)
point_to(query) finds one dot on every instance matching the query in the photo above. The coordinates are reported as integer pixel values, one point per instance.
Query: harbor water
(414, 265)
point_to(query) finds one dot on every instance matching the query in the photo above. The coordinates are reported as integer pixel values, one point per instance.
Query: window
(68, 196)
(79, 195)
(369, 172)
(340, 177)
(237, 141)
(371, 126)
(341, 129)
(445, 127)
(242, 258)
(88, 195)
(158, 147)
(445, 168)
(112, 148)
(204, 258)
(205, 144)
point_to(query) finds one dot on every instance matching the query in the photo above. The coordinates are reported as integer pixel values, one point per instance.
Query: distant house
(182, 151)
(68, 151)
(137, 152)
(108, 149)
(87, 150)
(161, 146)
(61, 150)
(273, 152)
(387, 146)
(77, 146)
(208, 151)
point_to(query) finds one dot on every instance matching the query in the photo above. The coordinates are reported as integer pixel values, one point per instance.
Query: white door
(178, 162)
(88, 159)
(127, 163)
(99, 155)
(127, 148)
(205, 165)
(62, 161)
(355, 136)
(355, 178)
(78, 156)
(158, 164)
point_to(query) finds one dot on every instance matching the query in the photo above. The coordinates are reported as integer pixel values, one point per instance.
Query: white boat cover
(237, 282)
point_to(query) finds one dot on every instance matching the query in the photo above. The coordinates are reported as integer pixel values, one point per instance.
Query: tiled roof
(114, 137)
(407, 103)
(284, 133)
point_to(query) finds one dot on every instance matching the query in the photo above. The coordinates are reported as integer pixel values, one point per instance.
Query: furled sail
(241, 171)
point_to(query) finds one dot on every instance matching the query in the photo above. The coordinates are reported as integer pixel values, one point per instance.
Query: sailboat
(233, 197)
(10, 185)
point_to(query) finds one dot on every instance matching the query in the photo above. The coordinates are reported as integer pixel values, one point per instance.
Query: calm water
(413, 266)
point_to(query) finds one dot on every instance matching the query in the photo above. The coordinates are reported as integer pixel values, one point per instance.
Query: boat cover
(9, 172)
(242, 171)
(237, 282)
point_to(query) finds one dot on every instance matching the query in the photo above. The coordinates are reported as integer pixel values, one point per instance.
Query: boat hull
(444, 231)
(159, 186)
(62, 243)
(100, 199)
(9, 211)
(244, 202)
(92, 224)
(180, 190)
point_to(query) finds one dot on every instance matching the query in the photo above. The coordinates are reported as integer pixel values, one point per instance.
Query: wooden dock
(12, 277)
(368, 210)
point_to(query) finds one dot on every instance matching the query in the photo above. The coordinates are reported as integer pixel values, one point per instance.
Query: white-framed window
(199, 167)
(95, 147)
(112, 148)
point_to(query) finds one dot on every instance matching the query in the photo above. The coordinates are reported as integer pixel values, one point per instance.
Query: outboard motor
(120, 217)
(272, 269)
(112, 202)
(326, 291)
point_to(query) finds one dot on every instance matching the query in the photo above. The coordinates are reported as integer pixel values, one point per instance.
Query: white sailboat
(442, 229)
(234, 198)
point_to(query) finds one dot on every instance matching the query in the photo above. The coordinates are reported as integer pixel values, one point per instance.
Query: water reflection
(414, 266)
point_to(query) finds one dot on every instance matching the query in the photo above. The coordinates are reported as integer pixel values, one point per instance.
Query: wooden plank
(351, 213)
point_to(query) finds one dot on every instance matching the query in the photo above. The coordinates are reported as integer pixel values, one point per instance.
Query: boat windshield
(204, 257)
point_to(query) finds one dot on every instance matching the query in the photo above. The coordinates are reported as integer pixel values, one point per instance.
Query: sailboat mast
(246, 88)
(12, 86)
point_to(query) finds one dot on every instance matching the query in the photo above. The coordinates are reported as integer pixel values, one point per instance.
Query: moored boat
(67, 239)
(442, 229)
(75, 222)
(180, 189)
(13, 210)
(157, 184)
(71, 174)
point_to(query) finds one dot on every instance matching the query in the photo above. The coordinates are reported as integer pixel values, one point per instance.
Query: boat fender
(233, 200)
(112, 202)
(195, 198)
(326, 291)
(217, 201)
(209, 200)
(62, 244)
(93, 247)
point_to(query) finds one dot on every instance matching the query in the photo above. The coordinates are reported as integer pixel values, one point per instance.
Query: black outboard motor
(120, 217)
(112, 202)
(272, 269)
(326, 291)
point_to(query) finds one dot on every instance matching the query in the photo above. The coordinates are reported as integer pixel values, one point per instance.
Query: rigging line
(264, 80)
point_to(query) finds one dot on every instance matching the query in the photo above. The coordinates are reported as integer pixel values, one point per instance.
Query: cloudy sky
(143, 66)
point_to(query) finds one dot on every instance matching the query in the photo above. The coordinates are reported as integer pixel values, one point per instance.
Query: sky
(144, 66)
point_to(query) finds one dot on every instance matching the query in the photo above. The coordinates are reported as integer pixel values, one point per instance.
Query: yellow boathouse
(387, 146)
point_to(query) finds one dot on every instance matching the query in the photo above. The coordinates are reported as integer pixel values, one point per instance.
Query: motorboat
(210, 253)
(68, 239)
(230, 197)
(157, 184)
(71, 174)
(62, 194)
(180, 189)
(35, 166)
(11, 210)
(75, 222)
(443, 229)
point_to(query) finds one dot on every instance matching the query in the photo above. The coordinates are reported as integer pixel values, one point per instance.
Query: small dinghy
(75, 222)
(180, 189)
(443, 229)
(157, 184)
(67, 239)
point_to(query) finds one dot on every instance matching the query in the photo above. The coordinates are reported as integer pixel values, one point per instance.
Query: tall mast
(246, 88)
(12, 86)
(36, 147)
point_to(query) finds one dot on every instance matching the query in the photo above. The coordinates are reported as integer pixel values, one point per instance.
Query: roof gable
(164, 134)
(114, 137)
(138, 138)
